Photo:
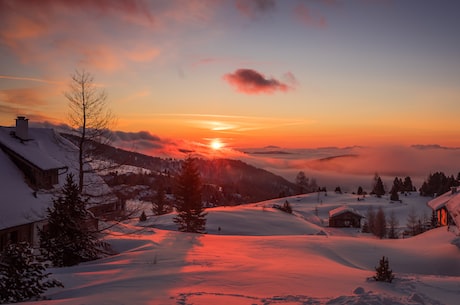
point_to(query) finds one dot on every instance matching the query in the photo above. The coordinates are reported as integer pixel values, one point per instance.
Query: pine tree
(397, 185)
(394, 195)
(143, 217)
(378, 189)
(159, 205)
(22, 278)
(191, 216)
(68, 240)
(360, 190)
(383, 271)
(408, 187)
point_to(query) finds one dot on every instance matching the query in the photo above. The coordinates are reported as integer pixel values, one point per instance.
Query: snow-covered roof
(453, 206)
(48, 150)
(451, 201)
(34, 150)
(18, 205)
(342, 210)
(442, 200)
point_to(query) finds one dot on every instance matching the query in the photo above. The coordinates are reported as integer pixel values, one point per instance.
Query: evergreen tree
(380, 227)
(383, 271)
(191, 216)
(394, 195)
(360, 190)
(159, 204)
(437, 184)
(397, 185)
(392, 225)
(302, 182)
(68, 239)
(143, 217)
(22, 278)
(378, 188)
(407, 184)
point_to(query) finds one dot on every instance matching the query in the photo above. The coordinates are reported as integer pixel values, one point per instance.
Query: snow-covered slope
(264, 256)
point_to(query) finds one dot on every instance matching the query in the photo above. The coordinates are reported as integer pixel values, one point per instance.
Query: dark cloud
(133, 136)
(141, 141)
(252, 82)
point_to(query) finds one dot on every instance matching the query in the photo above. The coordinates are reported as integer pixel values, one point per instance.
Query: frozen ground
(263, 256)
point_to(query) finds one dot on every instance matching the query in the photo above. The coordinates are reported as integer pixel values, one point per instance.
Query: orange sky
(250, 73)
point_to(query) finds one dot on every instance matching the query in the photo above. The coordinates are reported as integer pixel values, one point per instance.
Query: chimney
(22, 128)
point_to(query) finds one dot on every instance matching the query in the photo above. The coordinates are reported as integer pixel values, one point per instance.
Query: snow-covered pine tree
(190, 211)
(68, 238)
(383, 271)
(22, 278)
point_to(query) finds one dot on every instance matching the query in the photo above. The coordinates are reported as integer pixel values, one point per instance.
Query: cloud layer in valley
(353, 166)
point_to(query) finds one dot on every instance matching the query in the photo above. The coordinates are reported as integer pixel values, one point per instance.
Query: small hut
(345, 217)
(446, 207)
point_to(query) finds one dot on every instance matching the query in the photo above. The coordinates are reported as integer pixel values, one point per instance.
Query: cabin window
(442, 217)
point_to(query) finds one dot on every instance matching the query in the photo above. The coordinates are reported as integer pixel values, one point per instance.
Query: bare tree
(89, 116)
(393, 224)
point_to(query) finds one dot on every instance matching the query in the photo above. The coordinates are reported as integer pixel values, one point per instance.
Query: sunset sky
(250, 73)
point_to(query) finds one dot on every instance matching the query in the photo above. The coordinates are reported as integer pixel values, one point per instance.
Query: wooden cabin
(446, 206)
(345, 217)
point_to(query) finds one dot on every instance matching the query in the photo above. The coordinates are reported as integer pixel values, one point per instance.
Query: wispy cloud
(252, 82)
(234, 124)
(32, 79)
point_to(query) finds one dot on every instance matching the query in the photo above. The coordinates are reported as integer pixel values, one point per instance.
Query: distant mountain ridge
(237, 181)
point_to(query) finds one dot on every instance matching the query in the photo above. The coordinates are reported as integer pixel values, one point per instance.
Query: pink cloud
(50, 31)
(307, 17)
(252, 82)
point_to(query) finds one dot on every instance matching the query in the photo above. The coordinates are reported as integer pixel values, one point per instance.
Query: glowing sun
(216, 144)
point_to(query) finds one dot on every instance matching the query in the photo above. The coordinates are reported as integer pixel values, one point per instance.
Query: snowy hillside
(264, 256)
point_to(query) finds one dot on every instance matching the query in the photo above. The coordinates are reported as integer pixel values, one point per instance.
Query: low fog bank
(351, 167)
